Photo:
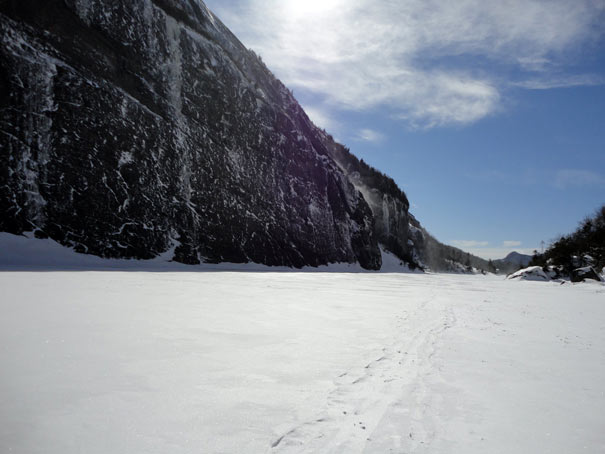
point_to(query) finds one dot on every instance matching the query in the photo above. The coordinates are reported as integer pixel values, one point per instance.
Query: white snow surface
(263, 362)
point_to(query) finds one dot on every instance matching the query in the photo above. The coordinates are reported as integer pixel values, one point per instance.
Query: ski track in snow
(230, 362)
(359, 399)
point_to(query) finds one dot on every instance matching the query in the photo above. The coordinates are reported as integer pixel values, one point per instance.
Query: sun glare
(309, 7)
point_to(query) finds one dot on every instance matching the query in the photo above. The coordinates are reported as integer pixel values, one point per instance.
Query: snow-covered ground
(254, 362)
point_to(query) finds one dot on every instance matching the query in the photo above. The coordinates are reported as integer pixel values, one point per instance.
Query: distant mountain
(516, 258)
(130, 128)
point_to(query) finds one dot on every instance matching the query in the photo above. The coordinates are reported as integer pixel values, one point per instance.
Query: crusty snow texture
(228, 362)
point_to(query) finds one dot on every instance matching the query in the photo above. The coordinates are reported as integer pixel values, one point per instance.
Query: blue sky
(489, 114)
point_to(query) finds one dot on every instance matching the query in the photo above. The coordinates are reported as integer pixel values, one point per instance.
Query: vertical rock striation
(128, 128)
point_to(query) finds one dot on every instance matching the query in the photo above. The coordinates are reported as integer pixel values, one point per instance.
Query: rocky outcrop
(128, 127)
(394, 226)
(584, 273)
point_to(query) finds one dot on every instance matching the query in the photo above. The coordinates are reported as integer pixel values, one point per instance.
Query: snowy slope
(217, 362)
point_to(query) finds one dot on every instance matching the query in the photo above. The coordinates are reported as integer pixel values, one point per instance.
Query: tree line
(584, 247)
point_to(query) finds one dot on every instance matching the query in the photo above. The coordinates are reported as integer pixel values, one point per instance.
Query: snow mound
(532, 273)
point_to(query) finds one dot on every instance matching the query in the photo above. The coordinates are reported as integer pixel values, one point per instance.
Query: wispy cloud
(369, 135)
(548, 83)
(535, 64)
(573, 177)
(557, 178)
(320, 118)
(404, 56)
(508, 244)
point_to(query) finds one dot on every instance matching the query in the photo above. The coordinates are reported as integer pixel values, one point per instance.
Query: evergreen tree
(491, 267)
(570, 251)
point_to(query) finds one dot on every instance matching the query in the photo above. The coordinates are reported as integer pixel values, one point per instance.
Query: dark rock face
(396, 229)
(581, 274)
(129, 127)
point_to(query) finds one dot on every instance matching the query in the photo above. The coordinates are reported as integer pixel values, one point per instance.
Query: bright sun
(309, 7)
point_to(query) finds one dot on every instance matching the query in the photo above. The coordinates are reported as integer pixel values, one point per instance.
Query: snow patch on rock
(532, 273)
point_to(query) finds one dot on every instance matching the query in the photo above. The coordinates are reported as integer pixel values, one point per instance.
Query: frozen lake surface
(254, 362)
